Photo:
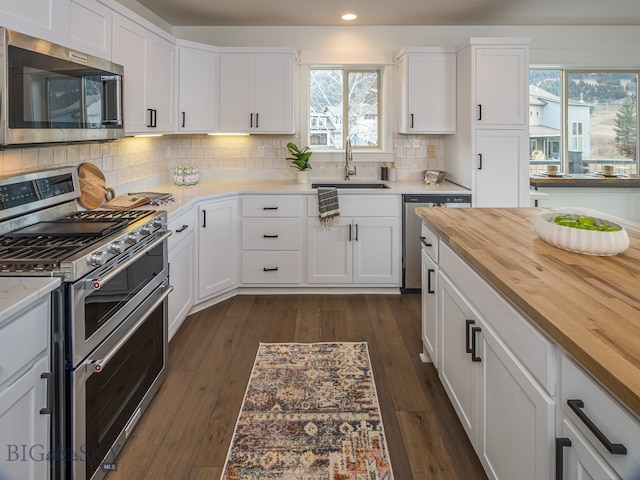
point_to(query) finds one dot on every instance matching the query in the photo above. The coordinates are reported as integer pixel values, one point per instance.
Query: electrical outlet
(431, 151)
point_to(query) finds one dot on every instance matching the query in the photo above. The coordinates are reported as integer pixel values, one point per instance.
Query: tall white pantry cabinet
(490, 151)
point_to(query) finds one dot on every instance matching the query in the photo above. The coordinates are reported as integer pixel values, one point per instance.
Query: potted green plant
(300, 161)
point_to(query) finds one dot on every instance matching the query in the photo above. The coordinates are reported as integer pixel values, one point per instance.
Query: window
(583, 119)
(339, 94)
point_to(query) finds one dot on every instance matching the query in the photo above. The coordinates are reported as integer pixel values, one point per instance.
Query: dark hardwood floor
(185, 433)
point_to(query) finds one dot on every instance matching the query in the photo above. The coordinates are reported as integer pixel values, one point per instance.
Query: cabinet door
(273, 93)
(579, 460)
(501, 86)
(376, 250)
(498, 170)
(197, 69)
(429, 308)
(87, 26)
(236, 92)
(459, 375)
(130, 49)
(330, 252)
(217, 247)
(38, 18)
(24, 431)
(517, 417)
(431, 95)
(161, 83)
(181, 277)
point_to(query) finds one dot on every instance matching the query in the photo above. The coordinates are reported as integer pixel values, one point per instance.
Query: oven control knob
(98, 258)
(147, 229)
(133, 237)
(117, 247)
(157, 223)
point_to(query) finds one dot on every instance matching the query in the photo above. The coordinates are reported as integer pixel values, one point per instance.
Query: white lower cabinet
(429, 309)
(181, 268)
(217, 240)
(507, 415)
(24, 410)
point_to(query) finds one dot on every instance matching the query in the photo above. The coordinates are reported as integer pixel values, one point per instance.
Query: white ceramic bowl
(590, 242)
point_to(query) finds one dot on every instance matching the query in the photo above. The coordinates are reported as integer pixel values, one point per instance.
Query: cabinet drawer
(271, 234)
(271, 267)
(182, 224)
(24, 339)
(271, 206)
(526, 342)
(606, 413)
(430, 242)
(361, 205)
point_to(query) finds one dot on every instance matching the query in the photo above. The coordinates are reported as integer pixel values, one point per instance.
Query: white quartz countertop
(17, 293)
(210, 189)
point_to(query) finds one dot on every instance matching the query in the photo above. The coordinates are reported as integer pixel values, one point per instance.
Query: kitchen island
(536, 347)
(589, 305)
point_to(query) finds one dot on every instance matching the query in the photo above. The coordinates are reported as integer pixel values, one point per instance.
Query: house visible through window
(582, 120)
(339, 94)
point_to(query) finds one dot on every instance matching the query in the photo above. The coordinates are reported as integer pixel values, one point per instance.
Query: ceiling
(395, 12)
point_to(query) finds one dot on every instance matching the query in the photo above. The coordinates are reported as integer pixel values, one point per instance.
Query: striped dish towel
(328, 208)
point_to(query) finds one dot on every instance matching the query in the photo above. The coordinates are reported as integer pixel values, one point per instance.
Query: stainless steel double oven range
(109, 342)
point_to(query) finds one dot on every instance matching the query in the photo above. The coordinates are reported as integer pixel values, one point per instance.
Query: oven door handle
(96, 366)
(96, 283)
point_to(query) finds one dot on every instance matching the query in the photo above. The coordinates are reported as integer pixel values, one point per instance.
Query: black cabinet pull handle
(474, 356)
(412, 120)
(251, 120)
(356, 232)
(350, 232)
(204, 219)
(270, 269)
(425, 243)
(479, 161)
(150, 123)
(429, 287)
(269, 236)
(48, 376)
(479, 112)
(612, 448)
(257, 120)
(182, 229)
(560, 444)
(269, 208)
(184, 118)
(467, 343)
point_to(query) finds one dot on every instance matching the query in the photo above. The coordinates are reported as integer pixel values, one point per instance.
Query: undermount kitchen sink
(351, 185)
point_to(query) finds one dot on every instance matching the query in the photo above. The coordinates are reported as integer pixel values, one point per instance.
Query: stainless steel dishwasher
(411, 229)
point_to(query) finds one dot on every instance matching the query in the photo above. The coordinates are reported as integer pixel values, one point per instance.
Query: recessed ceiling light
(349, 16)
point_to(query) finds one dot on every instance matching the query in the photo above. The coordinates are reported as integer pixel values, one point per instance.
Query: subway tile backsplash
(148, 161)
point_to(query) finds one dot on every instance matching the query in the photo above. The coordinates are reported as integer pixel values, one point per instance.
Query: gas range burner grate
(107, 215)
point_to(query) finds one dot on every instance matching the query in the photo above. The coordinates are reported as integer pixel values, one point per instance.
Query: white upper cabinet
(38, 18)
(149, 85)
(256, 92)
(427, 90)
(87, 27)
(196, 89)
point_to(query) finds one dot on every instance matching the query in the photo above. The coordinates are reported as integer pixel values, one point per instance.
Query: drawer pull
(468, 323)
(425, 243)
(269, 236)
(560, 444)
(269, 208)
(474, 356)
(182, 229)
(429, 287)
(270, 269)
(612, 448)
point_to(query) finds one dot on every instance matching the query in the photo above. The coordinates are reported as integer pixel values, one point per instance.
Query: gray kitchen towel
(328, 208)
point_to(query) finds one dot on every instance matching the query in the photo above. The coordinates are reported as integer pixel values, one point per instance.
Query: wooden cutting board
(93, 186)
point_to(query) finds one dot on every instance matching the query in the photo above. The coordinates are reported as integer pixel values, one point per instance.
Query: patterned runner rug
(310, 412)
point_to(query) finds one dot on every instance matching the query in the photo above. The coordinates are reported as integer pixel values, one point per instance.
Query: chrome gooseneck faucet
(349, 170)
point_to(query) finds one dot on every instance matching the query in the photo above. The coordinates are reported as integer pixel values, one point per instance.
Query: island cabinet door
(458, 373)
(516, 416)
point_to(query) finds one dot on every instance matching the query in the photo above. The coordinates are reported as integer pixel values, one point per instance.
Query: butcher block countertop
(589, 305)
(580, 180)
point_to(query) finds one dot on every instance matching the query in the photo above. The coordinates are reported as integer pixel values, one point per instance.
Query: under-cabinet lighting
(219, 134)
(144, 135)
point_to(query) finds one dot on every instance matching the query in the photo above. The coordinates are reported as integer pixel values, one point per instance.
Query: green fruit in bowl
(584, 222)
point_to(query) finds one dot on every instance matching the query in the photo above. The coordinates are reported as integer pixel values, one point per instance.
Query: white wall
(567, 46)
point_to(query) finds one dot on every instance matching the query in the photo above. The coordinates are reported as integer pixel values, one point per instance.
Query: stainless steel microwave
(50, 94)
